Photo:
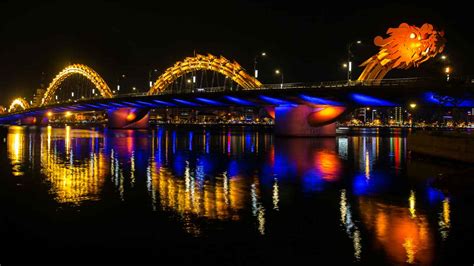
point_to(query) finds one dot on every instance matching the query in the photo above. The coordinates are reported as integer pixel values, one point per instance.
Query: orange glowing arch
(80, 69)
(202, 62)
(18, 102)
(407, 46)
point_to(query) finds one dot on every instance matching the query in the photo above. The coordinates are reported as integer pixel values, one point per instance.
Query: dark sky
(307, 40)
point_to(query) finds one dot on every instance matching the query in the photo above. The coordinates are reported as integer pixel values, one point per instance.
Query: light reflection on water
(241, 176)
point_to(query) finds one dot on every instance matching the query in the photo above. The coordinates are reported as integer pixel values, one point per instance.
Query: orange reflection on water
(327, 164)
(405, 239)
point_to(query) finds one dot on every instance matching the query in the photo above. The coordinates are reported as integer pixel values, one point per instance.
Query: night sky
(307, 40)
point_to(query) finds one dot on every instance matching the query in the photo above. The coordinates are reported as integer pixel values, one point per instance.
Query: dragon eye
(412, 35)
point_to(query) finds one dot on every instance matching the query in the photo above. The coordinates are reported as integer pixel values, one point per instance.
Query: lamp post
(349, 62)
(278, 72)
(255, 70)
(447, 70)
(118, 82)
(150, 81)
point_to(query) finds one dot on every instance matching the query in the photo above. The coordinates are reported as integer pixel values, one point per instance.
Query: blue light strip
(164, 103)
(147, 103)
(275, 101)
(369, 100)
(211, 102)
(239, 101)
(322, 101)
(186, 102)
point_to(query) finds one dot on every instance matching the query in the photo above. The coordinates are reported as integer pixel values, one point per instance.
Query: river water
(229, 196)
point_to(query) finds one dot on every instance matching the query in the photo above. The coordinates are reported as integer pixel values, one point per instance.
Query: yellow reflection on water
(444, 219)
(351, 229)
(71, 181)
(276, 194)
(16, 148)
(412, 201)
(405, 239)
(221, 198)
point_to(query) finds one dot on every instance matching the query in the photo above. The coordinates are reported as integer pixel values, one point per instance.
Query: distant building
(398, 115)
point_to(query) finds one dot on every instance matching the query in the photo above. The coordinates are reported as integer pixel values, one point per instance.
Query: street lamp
(278, 72)
(349, 58)
(255, 70)
(447, 70)
(149, 76)
(118, 82)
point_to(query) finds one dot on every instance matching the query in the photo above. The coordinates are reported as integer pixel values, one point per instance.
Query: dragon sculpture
(407, 46)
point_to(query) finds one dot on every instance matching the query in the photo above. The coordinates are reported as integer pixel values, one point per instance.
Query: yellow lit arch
(202, 62)
(18, 102)
(83, 70)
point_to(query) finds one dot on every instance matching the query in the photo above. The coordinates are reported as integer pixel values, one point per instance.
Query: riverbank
(451, 145)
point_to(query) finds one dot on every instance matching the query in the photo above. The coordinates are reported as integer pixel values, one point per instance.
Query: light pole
(278, 72)
(255, 70)
(349, 60)
(447, 70)
(149, 77)
(118, 82)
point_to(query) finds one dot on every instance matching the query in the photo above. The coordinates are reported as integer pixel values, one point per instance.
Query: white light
(72, 94)
(93, 91)
(151, 83)
(194, 79)
(134, 88)
(56, 97)
(256, 73)
(350, 66)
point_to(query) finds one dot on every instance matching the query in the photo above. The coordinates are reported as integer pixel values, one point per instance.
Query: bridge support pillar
(306, 121)
(128, 118)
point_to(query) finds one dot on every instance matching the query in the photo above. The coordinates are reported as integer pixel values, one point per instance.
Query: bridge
(299, 109)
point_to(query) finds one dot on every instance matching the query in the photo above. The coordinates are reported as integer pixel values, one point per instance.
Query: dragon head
(409, 46)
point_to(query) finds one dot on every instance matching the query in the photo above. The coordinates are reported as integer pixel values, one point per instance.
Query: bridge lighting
(412, 105)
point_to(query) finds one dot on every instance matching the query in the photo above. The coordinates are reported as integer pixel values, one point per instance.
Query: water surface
(227, 196)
